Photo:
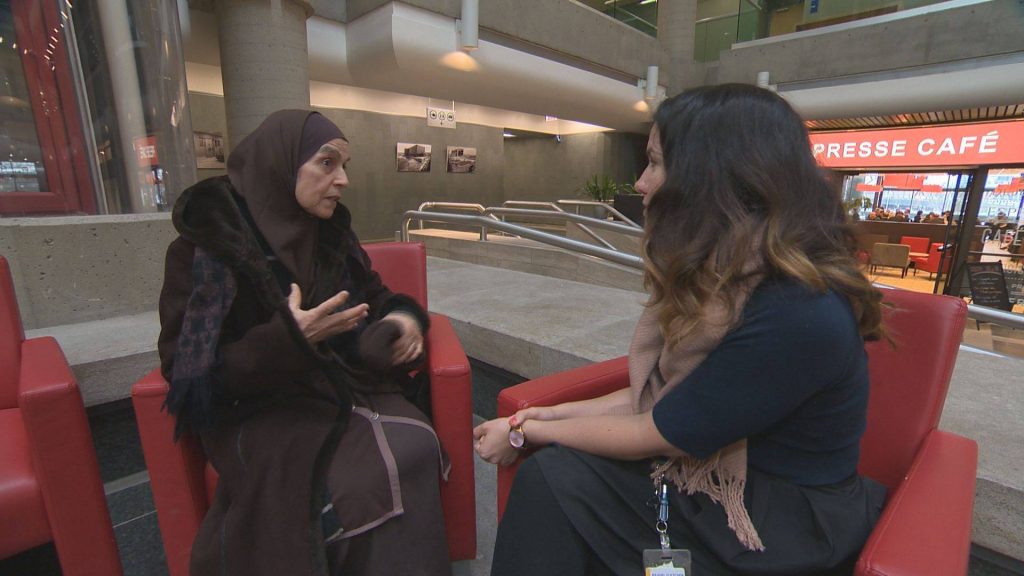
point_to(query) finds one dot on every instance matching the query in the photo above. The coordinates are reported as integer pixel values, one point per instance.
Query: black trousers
(574, 513)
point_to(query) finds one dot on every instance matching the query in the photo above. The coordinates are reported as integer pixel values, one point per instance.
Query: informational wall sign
(440, 118)
(951, 145)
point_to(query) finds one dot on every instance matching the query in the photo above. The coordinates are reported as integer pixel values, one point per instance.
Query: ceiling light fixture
(469, 25)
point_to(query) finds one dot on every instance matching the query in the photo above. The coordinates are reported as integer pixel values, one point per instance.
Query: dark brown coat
(281, 405)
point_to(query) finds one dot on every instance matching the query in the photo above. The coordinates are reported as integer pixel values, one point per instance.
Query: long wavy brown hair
(741, 186)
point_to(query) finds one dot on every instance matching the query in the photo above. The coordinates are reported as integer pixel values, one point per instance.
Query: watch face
(516, 438)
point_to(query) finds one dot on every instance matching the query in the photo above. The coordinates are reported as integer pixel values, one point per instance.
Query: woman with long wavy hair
(748, 377)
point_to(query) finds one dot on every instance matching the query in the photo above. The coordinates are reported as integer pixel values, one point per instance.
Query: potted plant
(600, 188)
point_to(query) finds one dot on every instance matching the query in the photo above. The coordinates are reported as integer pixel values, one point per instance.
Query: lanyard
(661, 492)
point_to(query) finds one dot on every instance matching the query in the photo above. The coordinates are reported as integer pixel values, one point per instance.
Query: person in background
(286, 356)
(748, 380)
(919, 217)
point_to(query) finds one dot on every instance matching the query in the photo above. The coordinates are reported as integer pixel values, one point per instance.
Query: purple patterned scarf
(193, 378)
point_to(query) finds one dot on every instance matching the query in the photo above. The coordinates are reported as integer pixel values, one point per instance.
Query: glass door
(921, 210)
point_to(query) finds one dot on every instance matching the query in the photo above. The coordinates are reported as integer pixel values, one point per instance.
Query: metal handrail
(569, 217)
(995, 316)
(974, 311)
(478, 208)
(609, 209)
(502, 212)
(536, 204)
(486, 223)
(581, 222)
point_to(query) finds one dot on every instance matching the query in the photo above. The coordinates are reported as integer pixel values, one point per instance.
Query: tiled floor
(134, 517)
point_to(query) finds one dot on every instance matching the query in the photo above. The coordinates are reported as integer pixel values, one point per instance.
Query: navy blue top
(792, 378)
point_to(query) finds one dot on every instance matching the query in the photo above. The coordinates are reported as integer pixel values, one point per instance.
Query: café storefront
(955, 192)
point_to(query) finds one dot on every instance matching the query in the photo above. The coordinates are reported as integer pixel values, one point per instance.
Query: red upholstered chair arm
(175, 472)
(590, 381)
(65, 461)
(926, 525)
(451, 395)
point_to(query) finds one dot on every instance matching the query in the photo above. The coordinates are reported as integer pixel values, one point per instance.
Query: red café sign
(953, 145)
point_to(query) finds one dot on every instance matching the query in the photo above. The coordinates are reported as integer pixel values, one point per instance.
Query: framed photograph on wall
(209, 150)
(461, 160)
(413, 157)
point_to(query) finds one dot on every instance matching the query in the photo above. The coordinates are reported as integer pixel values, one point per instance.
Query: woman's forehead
(337, 146)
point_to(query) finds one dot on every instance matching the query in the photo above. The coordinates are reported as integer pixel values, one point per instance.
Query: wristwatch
(517, 438)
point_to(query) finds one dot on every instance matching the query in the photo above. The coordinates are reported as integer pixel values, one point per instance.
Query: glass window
(43, 168)
(21, 158)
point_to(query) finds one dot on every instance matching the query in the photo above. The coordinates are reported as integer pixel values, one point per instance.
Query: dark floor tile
(40, 561)
(142, 551)
(985, 562)
(488, 381)
(124, 505)
(116, 438)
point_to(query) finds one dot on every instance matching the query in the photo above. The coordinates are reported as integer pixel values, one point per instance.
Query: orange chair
(926, 525)
(183, 482)
(930, 263)
(50, 486)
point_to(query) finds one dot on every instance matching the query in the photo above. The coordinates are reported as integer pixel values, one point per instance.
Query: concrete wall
(379, 194)
(83, 268)
(973, 31)
(544, 169)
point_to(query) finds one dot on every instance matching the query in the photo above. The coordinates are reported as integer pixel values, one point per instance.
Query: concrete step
(107, 356)
(529, 256)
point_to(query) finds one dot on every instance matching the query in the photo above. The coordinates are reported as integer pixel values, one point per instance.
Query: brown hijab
(264, 167)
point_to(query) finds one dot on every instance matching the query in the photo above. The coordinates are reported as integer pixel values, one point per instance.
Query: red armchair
(930, 263)
(183, 483)
(50, 486)
(926, 525)
(918, 244)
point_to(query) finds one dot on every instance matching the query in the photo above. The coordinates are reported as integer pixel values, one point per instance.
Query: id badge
(666, 562)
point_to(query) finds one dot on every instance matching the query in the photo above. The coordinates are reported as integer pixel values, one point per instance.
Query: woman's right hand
(322, 322)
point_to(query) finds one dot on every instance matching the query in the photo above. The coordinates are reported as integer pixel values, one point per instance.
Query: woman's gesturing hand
(322, 322)
(409, 345)
(490, 440)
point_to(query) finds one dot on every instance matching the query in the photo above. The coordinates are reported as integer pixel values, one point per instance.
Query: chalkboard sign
(988, 285)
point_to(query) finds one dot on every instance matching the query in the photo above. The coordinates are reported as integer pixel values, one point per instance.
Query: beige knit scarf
(655, 368)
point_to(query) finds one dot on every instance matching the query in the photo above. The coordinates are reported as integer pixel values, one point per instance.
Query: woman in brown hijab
(286, 356)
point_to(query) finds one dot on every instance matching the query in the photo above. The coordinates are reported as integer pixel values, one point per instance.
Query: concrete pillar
(124, 83)
(676, 32)
(677, 27)
(263, 58)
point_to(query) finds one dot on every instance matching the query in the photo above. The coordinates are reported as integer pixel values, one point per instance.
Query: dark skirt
(385, 513)
(608, 506)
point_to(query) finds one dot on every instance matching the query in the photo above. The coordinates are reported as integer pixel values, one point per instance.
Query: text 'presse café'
(974, 171)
